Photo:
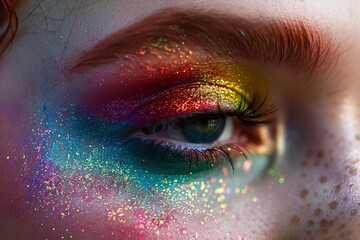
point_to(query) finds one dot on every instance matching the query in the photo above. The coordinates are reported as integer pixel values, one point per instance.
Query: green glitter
(271, 171)
(281, 180)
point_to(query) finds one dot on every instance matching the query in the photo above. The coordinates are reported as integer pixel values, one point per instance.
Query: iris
(201, 130)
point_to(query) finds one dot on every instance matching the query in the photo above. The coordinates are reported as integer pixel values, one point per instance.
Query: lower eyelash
(170, 156)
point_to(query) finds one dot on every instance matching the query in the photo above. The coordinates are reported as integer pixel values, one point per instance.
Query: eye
(194, 130)
(196, 143)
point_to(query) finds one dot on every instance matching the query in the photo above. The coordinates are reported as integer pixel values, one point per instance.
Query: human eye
(223, 125)
(222, 138)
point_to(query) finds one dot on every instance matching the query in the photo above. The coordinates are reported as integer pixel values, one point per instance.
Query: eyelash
(249, 114)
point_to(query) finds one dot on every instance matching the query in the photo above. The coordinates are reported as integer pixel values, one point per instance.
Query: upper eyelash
(248, 113)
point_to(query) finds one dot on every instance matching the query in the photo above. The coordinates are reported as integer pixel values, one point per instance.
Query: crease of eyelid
(296, 44)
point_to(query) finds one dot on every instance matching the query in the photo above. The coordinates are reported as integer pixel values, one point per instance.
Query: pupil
(203, 130)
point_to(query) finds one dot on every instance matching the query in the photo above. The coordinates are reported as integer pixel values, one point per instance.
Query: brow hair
(293, 43)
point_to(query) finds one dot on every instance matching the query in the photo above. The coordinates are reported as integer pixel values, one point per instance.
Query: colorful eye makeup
(155, 131)
(163, 122)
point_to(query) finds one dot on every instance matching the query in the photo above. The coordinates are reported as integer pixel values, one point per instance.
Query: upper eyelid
(299, 46)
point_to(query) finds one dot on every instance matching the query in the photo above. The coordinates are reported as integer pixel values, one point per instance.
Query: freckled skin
(304, 193)
(328, 220)
(318, 196)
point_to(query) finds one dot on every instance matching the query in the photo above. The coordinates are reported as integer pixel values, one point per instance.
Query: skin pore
(312, 192)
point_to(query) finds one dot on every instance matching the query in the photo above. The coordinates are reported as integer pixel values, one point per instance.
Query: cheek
(324, 186)
(326, 198)
(318, 200)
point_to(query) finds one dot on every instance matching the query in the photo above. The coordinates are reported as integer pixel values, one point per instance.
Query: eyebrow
(294, 44)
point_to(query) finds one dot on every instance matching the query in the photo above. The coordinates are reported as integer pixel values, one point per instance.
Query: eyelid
(116, 100)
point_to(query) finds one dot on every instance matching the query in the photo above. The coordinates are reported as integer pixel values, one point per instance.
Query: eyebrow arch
(291, 43)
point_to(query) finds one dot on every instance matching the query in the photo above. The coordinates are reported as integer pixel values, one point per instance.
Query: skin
(321, 196)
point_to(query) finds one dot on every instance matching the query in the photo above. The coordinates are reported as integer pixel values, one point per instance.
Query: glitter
(183, 231)
(219, 191)
(247, 165)
(245, 189)
(271, 171)
(281, 180)
(254, 199)
(221, 198)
